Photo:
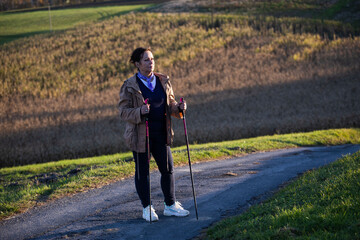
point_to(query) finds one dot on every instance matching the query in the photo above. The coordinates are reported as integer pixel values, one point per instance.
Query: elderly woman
(146, 84)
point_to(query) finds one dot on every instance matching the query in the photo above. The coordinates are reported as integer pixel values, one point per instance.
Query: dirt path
(223, 188)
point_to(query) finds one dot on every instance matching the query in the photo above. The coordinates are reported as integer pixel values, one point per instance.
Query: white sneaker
(146, 214)
(175, 210)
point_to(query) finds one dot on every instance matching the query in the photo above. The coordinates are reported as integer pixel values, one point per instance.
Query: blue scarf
(147, 80)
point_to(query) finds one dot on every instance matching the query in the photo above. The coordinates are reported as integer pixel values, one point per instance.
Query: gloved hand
(145, 109)
(182, 106)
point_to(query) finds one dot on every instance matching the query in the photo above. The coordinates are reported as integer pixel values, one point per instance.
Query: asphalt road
(223, 188)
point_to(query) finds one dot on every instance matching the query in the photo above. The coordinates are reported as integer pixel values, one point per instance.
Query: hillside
(243, 74)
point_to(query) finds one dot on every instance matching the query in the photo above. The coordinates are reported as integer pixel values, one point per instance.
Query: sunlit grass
(94, 57)
(322, 204)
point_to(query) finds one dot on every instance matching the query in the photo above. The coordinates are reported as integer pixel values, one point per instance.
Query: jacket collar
(133, 83)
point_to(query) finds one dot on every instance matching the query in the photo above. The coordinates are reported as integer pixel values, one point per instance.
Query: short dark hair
(138, 54)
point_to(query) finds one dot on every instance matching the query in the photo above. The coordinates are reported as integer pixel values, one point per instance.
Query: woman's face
(146, 64)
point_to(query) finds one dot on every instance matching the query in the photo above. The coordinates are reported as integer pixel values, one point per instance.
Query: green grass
(25, 186)
(321, 204)
(338, 7)
(16, 25)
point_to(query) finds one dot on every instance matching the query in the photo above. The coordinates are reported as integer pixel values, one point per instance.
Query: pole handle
(146, 101)
(182, 114)
(181, 100)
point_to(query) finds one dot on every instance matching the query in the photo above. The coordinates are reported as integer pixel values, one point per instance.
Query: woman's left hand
(182, 106)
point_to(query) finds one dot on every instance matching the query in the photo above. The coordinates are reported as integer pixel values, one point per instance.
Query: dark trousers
(163, 157)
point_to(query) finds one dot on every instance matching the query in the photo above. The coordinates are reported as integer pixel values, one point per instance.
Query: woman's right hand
(145, 109)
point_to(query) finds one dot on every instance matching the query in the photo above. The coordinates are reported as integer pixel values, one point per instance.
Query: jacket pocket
(130, 136)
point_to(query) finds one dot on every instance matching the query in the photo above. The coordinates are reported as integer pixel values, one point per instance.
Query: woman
(146, 84)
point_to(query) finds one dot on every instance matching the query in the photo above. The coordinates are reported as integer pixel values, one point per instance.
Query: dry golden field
(242, 76)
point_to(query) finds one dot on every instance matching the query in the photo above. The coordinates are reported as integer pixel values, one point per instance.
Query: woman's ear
(137, 64)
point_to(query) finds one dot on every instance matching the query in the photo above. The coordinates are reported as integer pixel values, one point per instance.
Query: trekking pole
(148, 154)
(188, 151)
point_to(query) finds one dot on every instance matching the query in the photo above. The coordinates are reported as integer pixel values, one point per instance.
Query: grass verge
(321, 204)
(26, 186)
